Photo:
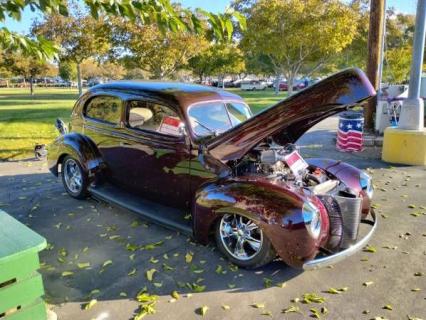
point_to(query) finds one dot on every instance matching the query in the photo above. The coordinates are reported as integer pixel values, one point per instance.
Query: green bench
(21, 286)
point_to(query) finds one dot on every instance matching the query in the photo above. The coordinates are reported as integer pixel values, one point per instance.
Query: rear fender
(275, 209)
(78, 146)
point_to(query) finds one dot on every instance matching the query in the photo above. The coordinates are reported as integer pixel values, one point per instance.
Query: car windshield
(214, 118)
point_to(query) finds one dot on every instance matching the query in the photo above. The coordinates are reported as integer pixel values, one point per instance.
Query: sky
(23, 26)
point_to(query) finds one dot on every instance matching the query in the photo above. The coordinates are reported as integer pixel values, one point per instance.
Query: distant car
(253, 85)
(95, 81)
(297, 85)
(164, 149)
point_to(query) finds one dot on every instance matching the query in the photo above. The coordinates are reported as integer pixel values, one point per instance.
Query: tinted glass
(238, 112)
(150, 116)
(209, 118)
(104, 108)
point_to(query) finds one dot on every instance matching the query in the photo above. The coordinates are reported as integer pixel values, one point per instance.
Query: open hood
(289, 119)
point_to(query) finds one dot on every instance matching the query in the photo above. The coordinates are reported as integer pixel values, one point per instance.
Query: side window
(145, 115)
(104, 108)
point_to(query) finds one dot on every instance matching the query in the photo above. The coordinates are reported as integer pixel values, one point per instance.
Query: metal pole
(412, 113)
(418, 50)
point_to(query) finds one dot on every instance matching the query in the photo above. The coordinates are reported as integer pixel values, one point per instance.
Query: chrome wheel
(73, 176)
(240, 236)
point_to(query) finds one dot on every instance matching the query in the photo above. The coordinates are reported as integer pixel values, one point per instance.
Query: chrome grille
(350, 209)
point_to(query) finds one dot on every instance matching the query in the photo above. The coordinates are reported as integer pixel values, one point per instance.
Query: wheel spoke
(250, 226)
(239, 248)
(254, 243)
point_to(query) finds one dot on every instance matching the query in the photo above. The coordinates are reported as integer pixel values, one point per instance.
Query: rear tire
(74, 178)
(243, 242)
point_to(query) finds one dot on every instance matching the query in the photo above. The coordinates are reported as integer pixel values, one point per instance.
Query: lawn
(26, 121)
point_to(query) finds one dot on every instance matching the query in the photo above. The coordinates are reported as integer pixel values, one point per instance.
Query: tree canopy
(158, 12)
(295, 34)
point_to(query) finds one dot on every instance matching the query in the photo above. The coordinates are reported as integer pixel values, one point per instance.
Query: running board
(167, 217)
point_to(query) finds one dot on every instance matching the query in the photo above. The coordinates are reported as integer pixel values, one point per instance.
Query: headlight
(312, 219)
(366, 185)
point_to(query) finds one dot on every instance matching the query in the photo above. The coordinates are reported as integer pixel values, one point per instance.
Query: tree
(160, 54)
(217, 59)
(158, 12)
(80, 37)
(68, 71)
(25, 66)
(295, 34)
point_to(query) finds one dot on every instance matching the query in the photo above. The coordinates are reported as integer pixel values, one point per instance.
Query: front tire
(243, 242)
(74, 178)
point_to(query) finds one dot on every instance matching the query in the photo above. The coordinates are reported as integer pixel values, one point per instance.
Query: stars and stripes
(349, 134)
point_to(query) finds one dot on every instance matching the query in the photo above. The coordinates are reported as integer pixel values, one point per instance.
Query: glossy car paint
(289, 119)
(193, 174)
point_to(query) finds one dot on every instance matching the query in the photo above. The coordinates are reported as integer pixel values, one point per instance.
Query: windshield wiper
(205, 127)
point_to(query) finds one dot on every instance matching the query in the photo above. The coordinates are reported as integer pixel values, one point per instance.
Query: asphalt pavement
(100, 252)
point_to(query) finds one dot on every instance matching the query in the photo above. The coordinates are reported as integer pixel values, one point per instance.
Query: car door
(156, 153)
(102, 123)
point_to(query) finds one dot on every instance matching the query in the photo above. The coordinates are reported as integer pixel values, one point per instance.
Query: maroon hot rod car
(164, 149)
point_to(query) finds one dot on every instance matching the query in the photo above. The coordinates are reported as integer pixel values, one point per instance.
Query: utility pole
(412, 112)
(375, 44)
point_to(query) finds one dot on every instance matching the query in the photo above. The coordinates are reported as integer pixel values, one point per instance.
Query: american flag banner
(349, 134)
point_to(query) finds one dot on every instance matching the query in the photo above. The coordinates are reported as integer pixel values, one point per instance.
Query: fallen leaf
(150, 274)
(83, 265)
(267, 282)
(370, 249)
(266, 313)
(312, 297)
(367, 283)
(388, 307)
(333, 291)
(106, 263)
(315, 313)
(188, 257)
(203, 310)
(225, 307)
(123, 294)
(90, 304)
(67, 273)
(94, 292)
(175, 294)
(282, 284)
(258, 305)
(132, 272)
(291, 309)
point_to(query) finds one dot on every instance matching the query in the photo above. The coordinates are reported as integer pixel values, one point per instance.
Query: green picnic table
(21, 286)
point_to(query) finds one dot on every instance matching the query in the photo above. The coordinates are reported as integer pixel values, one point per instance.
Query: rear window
(104, 108)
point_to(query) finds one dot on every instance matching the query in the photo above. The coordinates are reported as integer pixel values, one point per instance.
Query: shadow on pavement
(97, 251)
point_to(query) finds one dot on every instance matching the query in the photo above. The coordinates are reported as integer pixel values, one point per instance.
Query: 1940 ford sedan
(165, 149)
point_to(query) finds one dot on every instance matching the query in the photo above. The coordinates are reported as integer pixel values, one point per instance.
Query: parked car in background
(252, 85)
(164, 149)
(297, 85)
(95, 81)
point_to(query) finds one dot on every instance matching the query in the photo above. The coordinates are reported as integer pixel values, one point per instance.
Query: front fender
(275, 208)
(346, 173)
(76, 145)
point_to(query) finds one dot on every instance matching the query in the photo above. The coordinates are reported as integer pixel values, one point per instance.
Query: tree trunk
(223, 82)
(201, 78)
(80, 86)
(375, 43)
(277, 83)
(31, 86)
(290, 80)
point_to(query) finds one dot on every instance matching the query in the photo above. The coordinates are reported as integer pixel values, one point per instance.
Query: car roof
(182, 94)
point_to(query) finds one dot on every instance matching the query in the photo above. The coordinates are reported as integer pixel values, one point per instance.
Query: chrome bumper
(341, 255)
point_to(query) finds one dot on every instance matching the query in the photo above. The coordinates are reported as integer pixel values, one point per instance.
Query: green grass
(26, 121)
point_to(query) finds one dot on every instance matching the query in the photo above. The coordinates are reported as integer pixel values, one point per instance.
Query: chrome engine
(342, 204)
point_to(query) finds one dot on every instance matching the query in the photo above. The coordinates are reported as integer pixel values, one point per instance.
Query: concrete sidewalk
(109, 252)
